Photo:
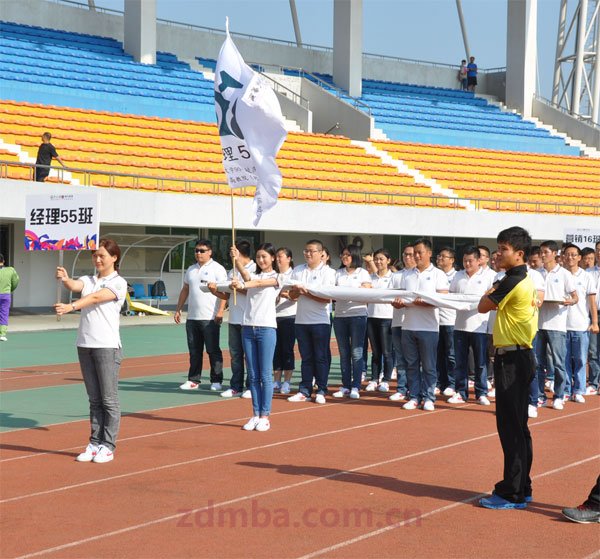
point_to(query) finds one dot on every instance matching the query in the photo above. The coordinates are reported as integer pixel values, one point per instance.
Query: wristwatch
(73, 306)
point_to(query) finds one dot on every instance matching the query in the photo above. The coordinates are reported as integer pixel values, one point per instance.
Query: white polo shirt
(594, 271)
(559, 284)
(397, 314)
(308, 310)
(477, 284)
(430, 280)
(578, 316)
(448, 316)
(260, 303)
(236, 310)
(381, 310)
(201, 305)
(99, 324)
(285, 307)
(348, 309)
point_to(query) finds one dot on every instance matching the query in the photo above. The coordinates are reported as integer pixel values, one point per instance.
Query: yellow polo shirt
(517, 317)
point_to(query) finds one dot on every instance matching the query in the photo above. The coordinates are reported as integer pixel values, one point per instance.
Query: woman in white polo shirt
(259, 331)
(350, 323)
(99, 345)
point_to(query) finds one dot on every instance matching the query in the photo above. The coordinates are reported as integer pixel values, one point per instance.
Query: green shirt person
(9, 279)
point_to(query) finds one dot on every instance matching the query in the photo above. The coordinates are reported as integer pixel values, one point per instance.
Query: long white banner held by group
(456, 301)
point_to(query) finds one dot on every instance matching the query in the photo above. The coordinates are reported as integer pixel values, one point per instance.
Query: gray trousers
(100, 371)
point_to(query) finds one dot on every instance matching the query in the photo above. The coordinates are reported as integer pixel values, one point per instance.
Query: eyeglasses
(408, 255)
(308, 251)
(201, 250)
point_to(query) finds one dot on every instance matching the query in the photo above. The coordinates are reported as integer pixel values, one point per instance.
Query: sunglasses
(201, 250)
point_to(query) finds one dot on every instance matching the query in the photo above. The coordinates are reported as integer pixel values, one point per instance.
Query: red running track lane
(158, 498)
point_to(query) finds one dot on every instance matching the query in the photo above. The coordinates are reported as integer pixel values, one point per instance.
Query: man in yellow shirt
(515, 299)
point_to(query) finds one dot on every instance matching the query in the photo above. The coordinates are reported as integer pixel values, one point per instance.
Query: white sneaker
(456, 399)
(449, 391)
(355, 394)
(372, 386)
(549, 384)
(482, 400)
(103, 455)
(189, 385)
(341, 393)
(299, 397)
(285, 388)
(558, 404)
(3, 339)
(88, 454)
(532, 411)
(251, 424)
(428, 405)
(263, 424)
(394, 374)
(396, 397)
(492, 393)
(246, 394)
(276, 387)
(579, 399)
(216, 386)
(229, 393)
(383, 387)
(471, 384)
(320, 399)
(411, 405)
(591, 391)
(489, 385)
(436, 391)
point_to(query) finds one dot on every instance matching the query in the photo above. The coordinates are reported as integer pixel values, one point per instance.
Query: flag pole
(233, 244)
(59, 282)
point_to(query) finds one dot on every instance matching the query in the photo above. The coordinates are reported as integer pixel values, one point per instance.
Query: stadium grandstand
(376, 151)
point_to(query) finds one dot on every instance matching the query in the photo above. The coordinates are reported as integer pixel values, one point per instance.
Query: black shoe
(582, 514)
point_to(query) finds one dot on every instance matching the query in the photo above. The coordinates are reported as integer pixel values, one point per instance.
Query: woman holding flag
(259, 330)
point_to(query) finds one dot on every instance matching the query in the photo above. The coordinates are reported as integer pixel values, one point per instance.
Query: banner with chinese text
(61, 222)
(583, 238)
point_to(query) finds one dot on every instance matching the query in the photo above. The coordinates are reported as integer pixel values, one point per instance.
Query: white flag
(250, 126)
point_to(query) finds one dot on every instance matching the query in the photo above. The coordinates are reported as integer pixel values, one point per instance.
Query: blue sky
(418, 29)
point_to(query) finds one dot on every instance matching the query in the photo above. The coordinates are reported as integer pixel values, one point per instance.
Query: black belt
(506, 349)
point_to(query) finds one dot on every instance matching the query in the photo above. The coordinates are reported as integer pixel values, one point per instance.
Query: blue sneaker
(529, 499)
(498, 503)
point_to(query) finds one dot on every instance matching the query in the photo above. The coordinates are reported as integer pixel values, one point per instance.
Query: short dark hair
(587, 250)
(470, 249)
(483, 247)
(516, 237)
(315, 242)
(449, 250)
(244, 248)
(552, 245)
(204, 242)
(355, 254)
(423, 241)
(47, 136)
(570, 245)
(535, 251)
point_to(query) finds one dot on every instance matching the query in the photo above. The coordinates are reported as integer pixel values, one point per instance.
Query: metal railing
(580, 118)
(301, 193)
(289, 93)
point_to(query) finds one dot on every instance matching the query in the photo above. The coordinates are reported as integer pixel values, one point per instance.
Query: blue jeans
(350, 335)
(259, 346)
(200, 333)
(557, 345)
(594, 360)
(236, 352)
(313, 344)
(420, 351)
(100, 371)
(446, 360)
(478, 343)
(399, 360)
(284, 359)
(380, 337)
(577, 351)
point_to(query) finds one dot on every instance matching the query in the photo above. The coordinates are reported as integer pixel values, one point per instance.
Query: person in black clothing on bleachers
(46, 152)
